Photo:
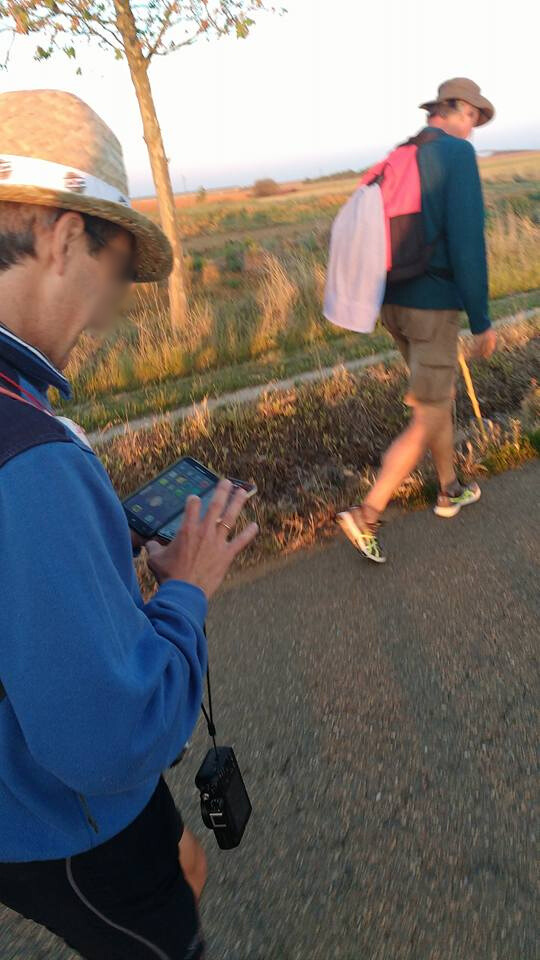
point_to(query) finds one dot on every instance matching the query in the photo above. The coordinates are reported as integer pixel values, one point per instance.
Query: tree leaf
(242, 27)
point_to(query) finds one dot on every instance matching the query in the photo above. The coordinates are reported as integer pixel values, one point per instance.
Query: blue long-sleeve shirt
(453, 214)
(102, 690)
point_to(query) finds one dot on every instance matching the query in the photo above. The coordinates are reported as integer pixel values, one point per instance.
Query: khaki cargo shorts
(428, 340)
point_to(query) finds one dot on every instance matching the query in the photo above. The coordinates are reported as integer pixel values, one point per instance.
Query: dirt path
(217, 241)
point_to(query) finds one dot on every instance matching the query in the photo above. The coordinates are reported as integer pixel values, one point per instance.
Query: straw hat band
(33, 172)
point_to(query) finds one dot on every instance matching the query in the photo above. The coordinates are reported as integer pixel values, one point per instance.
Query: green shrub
(534, 439)
(234, 257)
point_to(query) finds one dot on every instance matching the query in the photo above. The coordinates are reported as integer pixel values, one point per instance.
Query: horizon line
(484, 151)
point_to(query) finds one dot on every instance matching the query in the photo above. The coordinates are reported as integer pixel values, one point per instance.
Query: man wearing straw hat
(98, 690)
(422, 313)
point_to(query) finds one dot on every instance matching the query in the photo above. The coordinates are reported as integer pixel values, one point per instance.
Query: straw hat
(56, 152)
(462, 89)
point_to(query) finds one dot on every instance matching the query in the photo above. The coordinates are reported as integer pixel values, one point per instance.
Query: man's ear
(66, 237)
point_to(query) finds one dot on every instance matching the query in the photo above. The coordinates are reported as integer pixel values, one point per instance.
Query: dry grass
(514, 254)
(210, 274)
(253, 303)
(511, 166)
(313, 449)
(282, 312)
(275, 296)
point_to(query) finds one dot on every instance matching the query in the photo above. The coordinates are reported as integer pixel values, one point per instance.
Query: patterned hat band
(31, 172)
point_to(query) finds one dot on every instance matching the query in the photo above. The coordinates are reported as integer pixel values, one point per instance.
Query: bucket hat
(460, 88)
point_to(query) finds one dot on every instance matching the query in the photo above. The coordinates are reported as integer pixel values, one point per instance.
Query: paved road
(386, 720)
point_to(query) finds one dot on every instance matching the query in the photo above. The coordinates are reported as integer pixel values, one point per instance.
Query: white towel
(356, 279)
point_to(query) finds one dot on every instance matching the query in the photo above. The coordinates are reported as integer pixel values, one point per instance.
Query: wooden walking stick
(471, 391)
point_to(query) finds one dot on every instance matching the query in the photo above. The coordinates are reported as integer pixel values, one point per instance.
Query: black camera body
(225, 805)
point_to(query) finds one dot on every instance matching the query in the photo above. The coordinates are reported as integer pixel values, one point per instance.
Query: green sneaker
(362, 535)
(449, 503)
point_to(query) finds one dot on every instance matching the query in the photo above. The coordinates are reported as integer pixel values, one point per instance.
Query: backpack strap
(22, 427)
(425, 136)
(376, 173)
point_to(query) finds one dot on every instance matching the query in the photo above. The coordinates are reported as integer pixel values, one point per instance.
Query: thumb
(153, 548)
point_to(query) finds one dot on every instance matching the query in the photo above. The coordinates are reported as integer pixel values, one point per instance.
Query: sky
(330, 85)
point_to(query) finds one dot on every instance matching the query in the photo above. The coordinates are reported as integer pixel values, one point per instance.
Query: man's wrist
(181, 588)
(480, 327)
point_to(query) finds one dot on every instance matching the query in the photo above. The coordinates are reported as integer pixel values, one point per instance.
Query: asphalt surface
(387, 722)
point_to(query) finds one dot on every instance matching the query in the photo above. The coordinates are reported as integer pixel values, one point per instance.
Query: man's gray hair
(443, 109)
(17, 230)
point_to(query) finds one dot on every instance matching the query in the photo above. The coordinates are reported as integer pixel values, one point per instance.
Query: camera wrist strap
(209, 716)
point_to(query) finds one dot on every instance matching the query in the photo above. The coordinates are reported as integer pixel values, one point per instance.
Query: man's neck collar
(31, 362)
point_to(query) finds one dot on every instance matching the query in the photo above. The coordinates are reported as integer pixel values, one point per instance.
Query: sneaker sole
(353, 534)
(452, 511)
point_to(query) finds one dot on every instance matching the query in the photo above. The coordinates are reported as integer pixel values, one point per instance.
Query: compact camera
(225, 805)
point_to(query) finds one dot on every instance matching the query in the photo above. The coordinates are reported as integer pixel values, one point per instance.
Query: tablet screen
(165, 497)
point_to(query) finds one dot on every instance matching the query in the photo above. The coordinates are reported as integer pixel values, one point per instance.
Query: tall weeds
(275, 297)
(274, 310)
(514, 254)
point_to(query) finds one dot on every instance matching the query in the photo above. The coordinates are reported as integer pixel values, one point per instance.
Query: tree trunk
(158, 161)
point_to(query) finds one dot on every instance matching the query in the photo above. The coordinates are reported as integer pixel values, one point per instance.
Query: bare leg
(405, 454)
(442, 451)
(193, 862)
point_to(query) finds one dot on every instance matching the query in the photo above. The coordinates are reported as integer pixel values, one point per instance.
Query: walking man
(422, 313)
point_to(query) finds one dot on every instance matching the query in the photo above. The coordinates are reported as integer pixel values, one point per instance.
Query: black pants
(126, 899)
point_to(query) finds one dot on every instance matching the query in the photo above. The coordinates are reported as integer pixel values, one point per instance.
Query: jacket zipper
(87, 813)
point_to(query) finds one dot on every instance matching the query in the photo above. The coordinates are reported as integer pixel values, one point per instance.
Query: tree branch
(166, 23)
(178, 45)
(76, 11)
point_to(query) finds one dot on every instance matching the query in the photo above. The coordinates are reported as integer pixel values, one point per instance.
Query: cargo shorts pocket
(431, 384)
(433, 358)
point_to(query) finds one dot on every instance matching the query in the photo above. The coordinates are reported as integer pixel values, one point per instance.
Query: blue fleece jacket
(102, 690)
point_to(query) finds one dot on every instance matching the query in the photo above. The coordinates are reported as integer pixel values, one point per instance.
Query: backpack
(377, 238)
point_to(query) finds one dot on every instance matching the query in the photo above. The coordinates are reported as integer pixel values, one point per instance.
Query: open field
(238, 211)
(256, 272)
(500, 167)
